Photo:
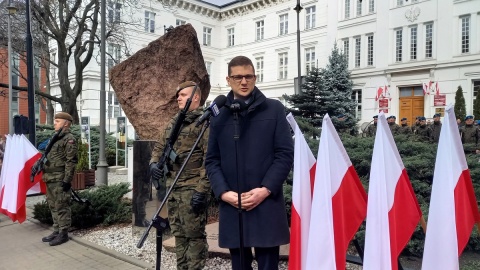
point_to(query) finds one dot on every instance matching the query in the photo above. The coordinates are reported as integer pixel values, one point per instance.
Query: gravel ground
(123, 239)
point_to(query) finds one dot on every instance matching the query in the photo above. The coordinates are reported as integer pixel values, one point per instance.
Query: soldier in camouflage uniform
(416, 125)
(423, 131)
(58, 175)
(372, 128)
(394, 127)
(404, 128)
(469, 132)
(436, 127)
(187, 204)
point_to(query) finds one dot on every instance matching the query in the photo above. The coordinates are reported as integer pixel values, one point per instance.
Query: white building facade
(395, 44)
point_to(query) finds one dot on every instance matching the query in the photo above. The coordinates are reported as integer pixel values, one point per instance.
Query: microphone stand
(157, 221)
(236, 136)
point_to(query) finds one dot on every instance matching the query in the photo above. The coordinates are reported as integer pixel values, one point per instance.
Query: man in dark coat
(404, 128)
(250, 155)
(436, 127)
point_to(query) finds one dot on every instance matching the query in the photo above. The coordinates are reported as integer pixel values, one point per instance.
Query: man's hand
(155, 172)
(230, 197)
(199, 202)
(66, 186)
(254, 197)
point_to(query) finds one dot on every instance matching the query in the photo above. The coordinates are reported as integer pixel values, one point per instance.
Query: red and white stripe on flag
(379, 93)
(453, 206)
(393, 211)
(339, 203)
(303, 177)
(19, 157)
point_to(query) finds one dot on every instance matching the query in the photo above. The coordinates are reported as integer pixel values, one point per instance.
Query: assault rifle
(168, 152)
(39, 165)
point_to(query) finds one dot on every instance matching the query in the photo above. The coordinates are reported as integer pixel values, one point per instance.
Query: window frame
(310, 58)
(398, 45)
(207, 36)
(310, 17)
(283, 25)
(465, 34)
(231, 37)
(429, 40)
(413, 43)
(370, 49)
(149, 27)
(283, 66)
(259, 68)
(358, 51)
(259, 30)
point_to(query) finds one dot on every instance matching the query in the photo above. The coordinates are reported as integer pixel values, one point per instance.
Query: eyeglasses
(239, 78)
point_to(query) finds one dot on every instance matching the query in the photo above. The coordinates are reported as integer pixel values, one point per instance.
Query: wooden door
(411, 103)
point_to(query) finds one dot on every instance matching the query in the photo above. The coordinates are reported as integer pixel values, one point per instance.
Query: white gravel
(123, 239)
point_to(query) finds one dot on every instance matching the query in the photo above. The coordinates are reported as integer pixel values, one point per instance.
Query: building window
(282, 66)
(179, 22)
(413, 43)
(398, 45)
(309, 59)
(465, 34)
(14, 102)
(53, 68)
(399, 3)
(359, 7)
(149, 21)
(357, 51)
(259, 68)
(347, 9)
(208, 67)
(310, 17)
(114, 110)
(207, 36)
(370, 50)
(371, 6)
(429, 40)
(114, 10)
(476, 88)
(36, 73)
(37, 110)
(346, 50)
(114, 55)
(15, 69)
(357, 96)
(283, 24)
(260, 28)
(231, 37)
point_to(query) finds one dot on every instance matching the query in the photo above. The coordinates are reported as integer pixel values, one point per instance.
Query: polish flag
(19, 157)
(426, 89)
(437, 89)
(303, 177)
(393, 211)
(453, 206)
(339, 203)
(379, 93)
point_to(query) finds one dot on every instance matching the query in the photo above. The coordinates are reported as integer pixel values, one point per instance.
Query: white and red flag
(437, 89)
(303, 177)
(453, 206)
(393, 211)
(19, 157)
(426, 88)
(379, 94)
(339, 203)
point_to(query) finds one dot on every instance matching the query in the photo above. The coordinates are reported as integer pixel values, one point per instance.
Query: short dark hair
(240, 61)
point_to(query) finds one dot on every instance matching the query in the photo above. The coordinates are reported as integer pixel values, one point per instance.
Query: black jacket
(265, 157)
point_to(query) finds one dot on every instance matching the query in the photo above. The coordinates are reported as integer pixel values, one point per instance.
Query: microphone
(213, 109)
(238, 105)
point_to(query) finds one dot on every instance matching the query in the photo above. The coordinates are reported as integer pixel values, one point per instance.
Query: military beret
(404, 118)
(375, 116)
(436, 115)
(422, 118)
(341, 115)
(393, 116)
(469, 117)
(64, 115)
(185, 85)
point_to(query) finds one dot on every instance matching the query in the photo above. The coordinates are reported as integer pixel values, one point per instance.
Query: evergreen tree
(459, 108)
(336, 92)
(476, 106)
(305, 105)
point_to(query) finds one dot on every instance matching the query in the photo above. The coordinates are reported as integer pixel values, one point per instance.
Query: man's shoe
(61, 238)
(141, 223)
(50, 237)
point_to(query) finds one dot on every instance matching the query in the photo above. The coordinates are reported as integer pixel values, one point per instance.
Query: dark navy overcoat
(261, 157)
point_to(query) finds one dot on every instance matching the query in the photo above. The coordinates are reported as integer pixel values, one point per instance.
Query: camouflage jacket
(394, 128)
(424, 132)
(194, 174)
(372, 130)
(436, 128)
(405, 129)
(470, 134)
(61, 160)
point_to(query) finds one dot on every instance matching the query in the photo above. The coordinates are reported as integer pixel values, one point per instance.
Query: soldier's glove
(198, 202)
(155, 172)
(66, 186)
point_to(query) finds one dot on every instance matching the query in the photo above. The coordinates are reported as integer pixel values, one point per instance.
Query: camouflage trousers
(189, 230)
(59, 204)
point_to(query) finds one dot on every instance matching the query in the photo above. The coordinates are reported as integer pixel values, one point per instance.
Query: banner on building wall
(440, 100)
(383, 105)
(85, 136)
(121, 137)
(440, 111)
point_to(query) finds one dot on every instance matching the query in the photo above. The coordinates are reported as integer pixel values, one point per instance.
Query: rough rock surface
(145, 83)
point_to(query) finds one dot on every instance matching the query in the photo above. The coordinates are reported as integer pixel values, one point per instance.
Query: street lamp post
(298, 8)
(11, 11)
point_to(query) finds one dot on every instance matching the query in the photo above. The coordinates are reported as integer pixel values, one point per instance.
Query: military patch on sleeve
(71, 141)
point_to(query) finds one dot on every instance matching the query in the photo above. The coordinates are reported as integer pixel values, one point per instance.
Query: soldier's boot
(141, 222)
(61, 238)
(50, 237)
